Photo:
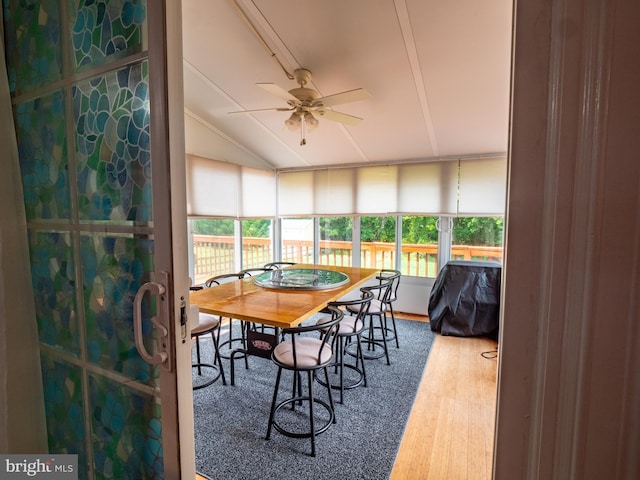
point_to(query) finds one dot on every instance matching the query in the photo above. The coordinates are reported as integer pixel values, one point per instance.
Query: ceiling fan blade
(274, 89)
(337, 117)
(343, 97)
(275, 109)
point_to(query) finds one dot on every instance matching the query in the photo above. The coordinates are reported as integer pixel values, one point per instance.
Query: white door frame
(167, 137)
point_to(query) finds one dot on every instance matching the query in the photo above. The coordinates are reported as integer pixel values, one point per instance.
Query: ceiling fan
(304, 102)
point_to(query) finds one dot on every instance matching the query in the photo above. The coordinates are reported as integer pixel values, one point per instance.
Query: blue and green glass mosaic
(54, 286)
(127, 432)
(42, 148)
(32, 43)
(113, 270)
(111, 115)
(102, 31)
(62, 383)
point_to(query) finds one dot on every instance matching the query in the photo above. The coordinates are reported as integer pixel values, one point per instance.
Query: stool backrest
(277, 265)
(250, 272)
(359, 308)
(328, 331)
(220, 279)
(381, 292)
(394, 276)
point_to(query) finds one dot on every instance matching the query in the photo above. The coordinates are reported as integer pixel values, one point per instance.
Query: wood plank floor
(449, 434)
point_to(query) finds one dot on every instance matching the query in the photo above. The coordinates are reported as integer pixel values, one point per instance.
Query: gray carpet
(231, 422)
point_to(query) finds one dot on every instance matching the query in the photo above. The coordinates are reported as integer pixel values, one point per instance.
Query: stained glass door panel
(79, 79)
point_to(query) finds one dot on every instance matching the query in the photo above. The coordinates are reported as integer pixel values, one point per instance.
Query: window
(335, 241)
(477, 238)
(297, 240)
(419, 246)
(213, 248)
(377, 242)
(257, 243)
(393, 210)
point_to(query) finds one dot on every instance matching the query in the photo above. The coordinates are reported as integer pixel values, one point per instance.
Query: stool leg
(273, 403)
(341, 347)
(216, 351)
(393, 322)
(297, 380)
(313, 429)
(244, 327)
(198, 354)
(372, 334)
(384, 337)
(227, 352)
(360, 353)
(333, 410)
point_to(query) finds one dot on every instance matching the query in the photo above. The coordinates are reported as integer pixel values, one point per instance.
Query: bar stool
(376, 338)
(349, 328)
(394, 277)
(208, 324)
(301, 351)
(250, 272)
(227, 346)
(249, 327)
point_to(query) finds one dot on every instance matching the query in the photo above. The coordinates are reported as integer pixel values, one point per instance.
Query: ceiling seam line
(412, 53)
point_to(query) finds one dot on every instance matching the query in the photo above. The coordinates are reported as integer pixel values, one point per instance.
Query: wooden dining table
(283, 308)
(244, 299)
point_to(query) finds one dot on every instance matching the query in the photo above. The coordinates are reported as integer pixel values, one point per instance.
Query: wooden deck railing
(214, 255)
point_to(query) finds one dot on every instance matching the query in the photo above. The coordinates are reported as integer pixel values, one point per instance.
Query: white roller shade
(213, 188)
(467, 187)
(483, 187)
(334, 191)
(428, 188)
(376, 189)
(258, 193)
(295, 193)
(220, 189)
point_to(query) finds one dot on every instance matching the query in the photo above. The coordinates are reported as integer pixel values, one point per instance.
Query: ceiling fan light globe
(310, 121)
(293, 122)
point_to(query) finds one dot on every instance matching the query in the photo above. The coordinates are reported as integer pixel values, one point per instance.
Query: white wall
(413, 295)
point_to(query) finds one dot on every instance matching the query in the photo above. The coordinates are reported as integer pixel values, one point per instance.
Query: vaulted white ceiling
(438, 73)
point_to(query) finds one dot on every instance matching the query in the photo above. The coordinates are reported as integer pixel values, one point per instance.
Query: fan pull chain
(303, 140)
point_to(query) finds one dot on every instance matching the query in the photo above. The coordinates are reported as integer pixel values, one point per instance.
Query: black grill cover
(465, 299)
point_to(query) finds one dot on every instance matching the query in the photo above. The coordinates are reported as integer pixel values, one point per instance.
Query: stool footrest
(347, 386)
(212, 380)
(369, 350)
(306, 434)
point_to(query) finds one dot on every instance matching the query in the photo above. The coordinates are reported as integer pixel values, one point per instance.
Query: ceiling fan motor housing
(302, 76)
(304, 94)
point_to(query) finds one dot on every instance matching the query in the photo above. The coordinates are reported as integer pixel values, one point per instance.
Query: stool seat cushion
(206, 323)
(376, 307)
(306, 352)
(347, 326)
